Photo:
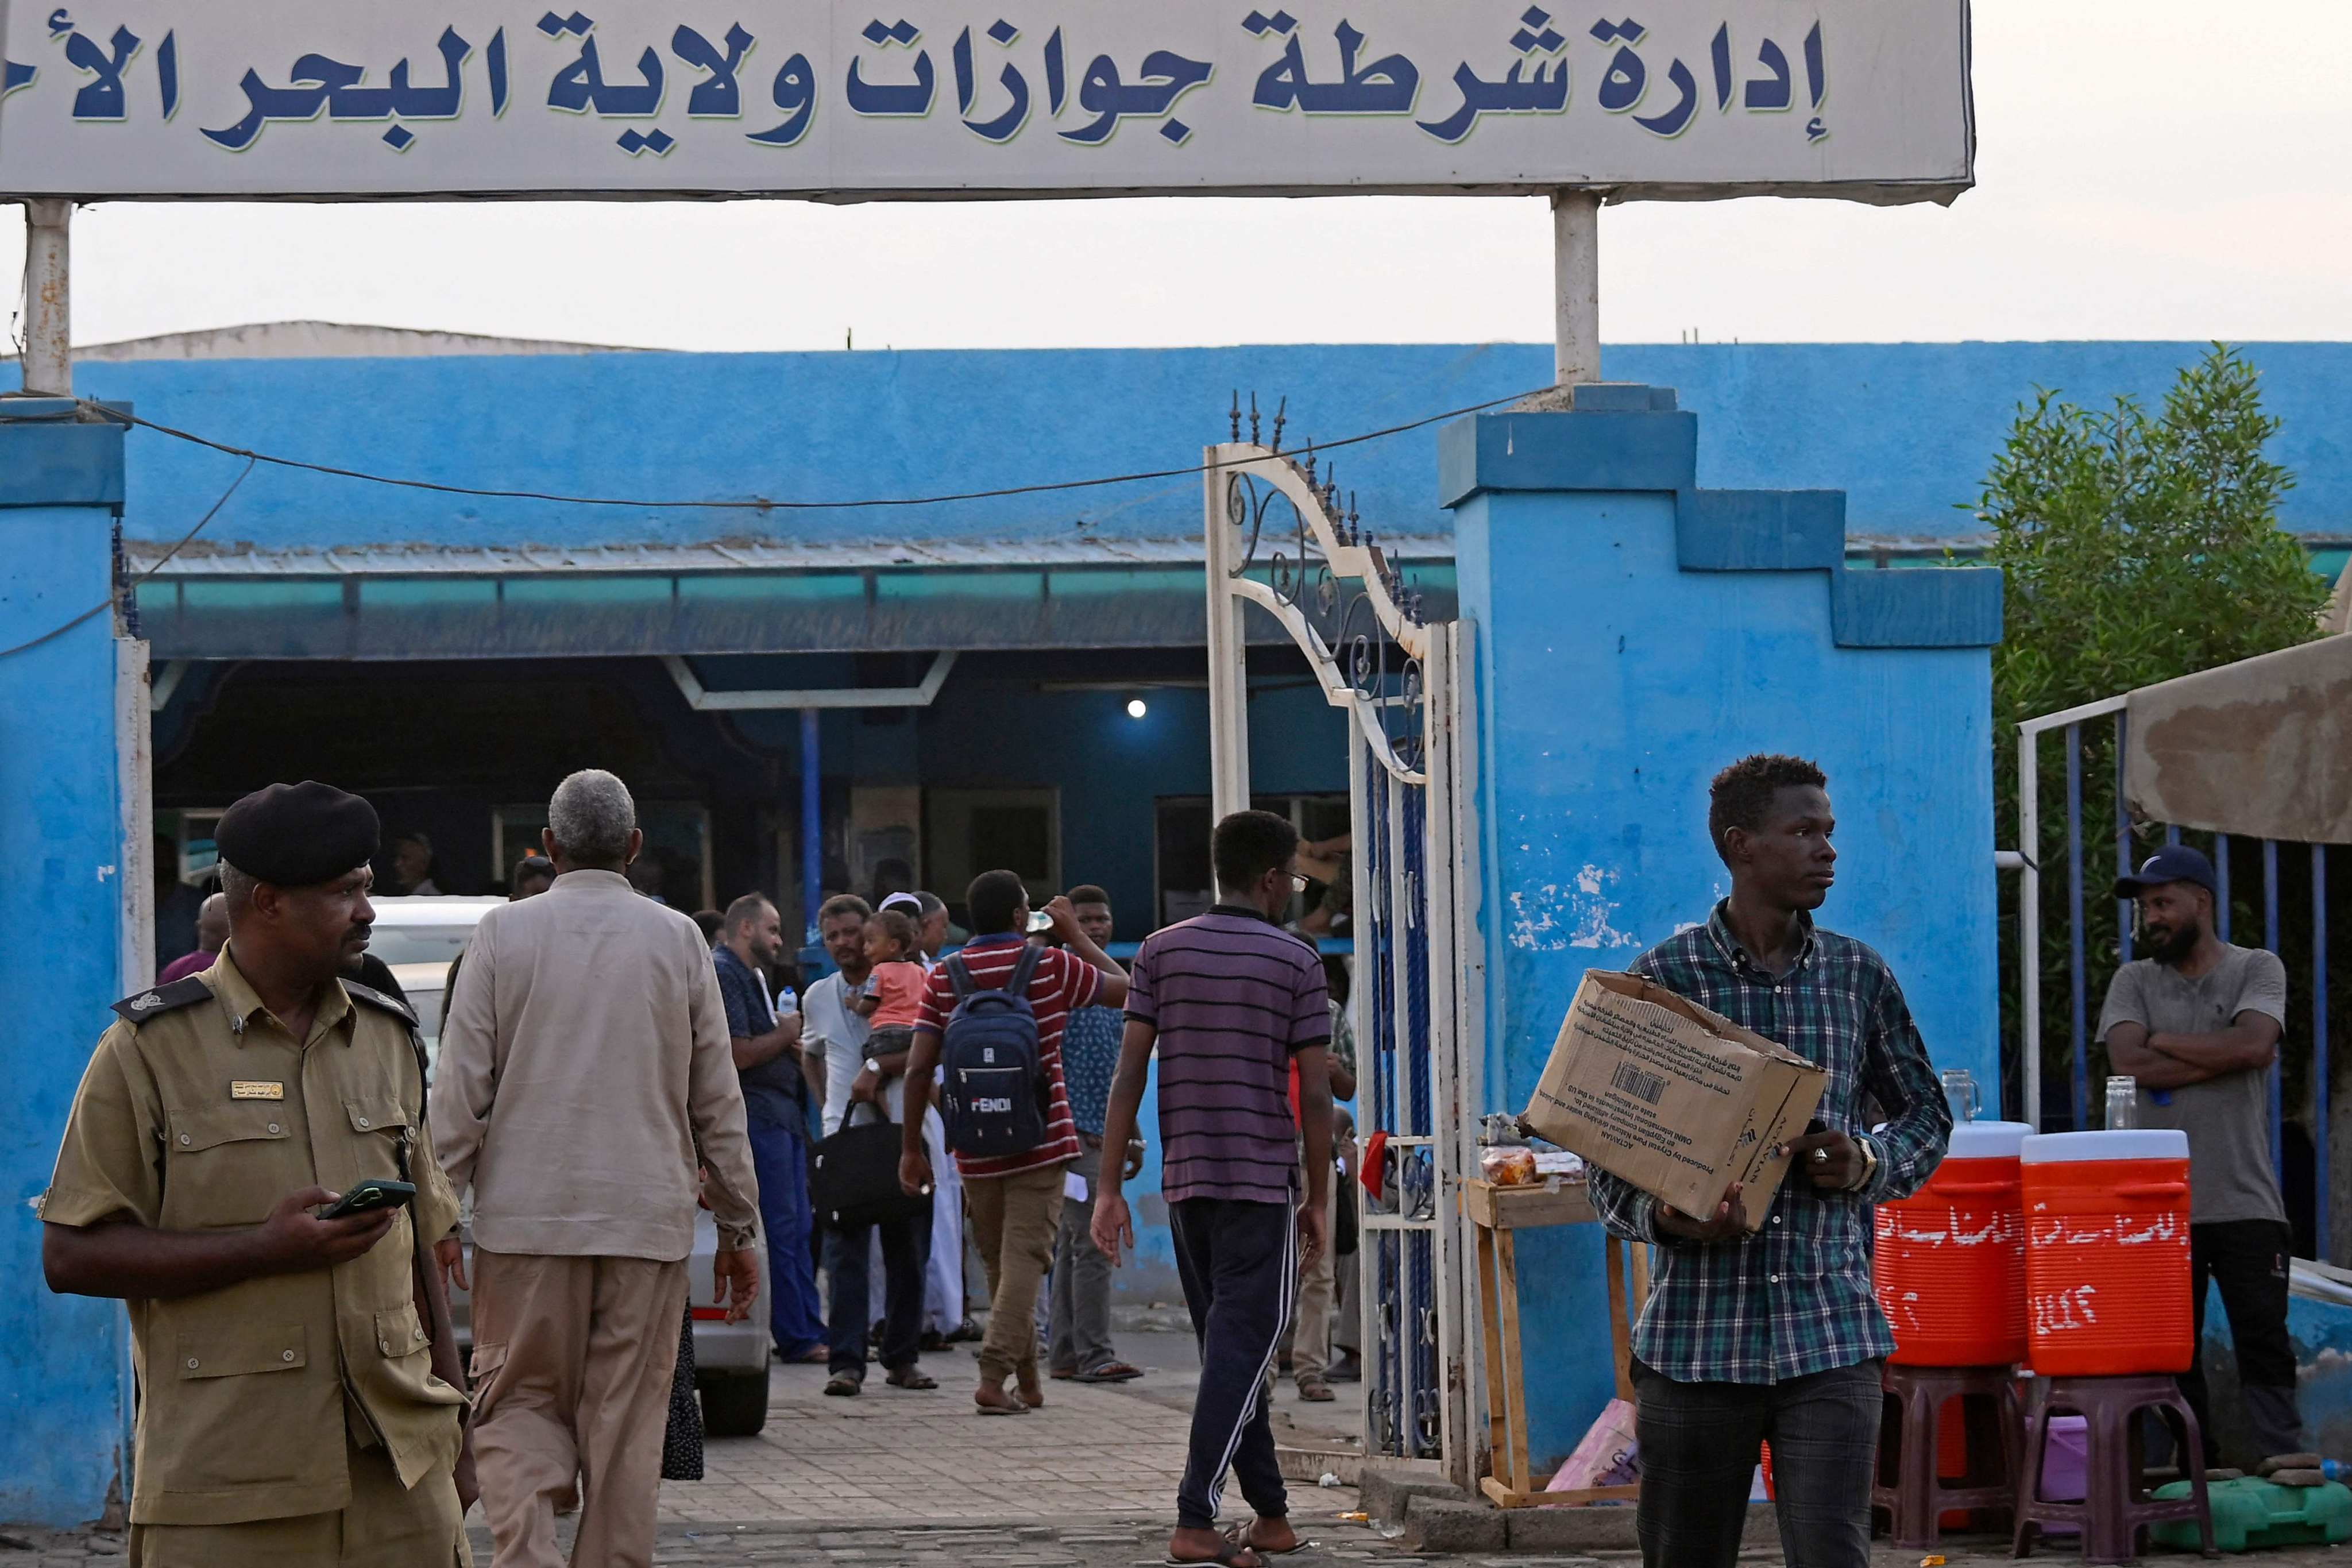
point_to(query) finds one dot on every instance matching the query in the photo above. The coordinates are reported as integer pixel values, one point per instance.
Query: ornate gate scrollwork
(1281, 536)
(1296, 554)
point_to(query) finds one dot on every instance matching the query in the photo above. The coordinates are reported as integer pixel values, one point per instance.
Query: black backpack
(993, 1093)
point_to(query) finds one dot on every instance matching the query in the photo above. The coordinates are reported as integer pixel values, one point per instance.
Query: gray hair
(592, 817)
(237, 888)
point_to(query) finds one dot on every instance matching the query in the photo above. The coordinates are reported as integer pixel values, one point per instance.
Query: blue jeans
(906, 1258)
(779, 1159)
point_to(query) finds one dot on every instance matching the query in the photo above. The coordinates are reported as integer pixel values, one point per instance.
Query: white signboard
(966, 99)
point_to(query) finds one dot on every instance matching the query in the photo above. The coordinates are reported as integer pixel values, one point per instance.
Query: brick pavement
(887, 1456)
(894, 1479)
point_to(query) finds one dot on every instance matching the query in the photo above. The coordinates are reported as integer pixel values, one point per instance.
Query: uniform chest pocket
(193, 1132)
(380, 1134)
(242, 1351)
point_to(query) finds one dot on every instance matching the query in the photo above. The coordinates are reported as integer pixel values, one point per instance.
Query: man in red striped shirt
(1016, 1199)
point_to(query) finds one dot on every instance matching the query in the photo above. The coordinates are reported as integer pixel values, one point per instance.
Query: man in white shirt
(945, 1316)
(853, 1078)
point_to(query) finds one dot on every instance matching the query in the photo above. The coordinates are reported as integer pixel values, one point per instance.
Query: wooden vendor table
(1496, 1213)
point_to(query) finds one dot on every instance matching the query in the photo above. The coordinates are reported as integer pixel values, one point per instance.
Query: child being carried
(891, 1000)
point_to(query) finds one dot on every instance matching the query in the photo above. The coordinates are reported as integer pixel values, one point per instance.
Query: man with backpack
(993, 1019)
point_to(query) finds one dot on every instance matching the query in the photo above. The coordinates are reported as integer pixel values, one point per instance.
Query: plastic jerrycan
(1948, 1263)
(2107, 1252)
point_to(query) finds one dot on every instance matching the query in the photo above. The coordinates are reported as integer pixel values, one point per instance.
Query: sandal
(1109, 1372)
(1008, 1405)
(841, 1385)
(1231, 1553)
(1239, 1535)
(1315, 1391)
(909, 1378)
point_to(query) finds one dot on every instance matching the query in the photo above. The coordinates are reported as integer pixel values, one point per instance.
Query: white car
(419, 938)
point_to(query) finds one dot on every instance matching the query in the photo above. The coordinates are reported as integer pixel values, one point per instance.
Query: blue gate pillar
(1636, 633)
(72, 781)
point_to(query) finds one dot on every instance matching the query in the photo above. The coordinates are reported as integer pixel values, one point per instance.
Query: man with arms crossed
(1231, 1002)
(2197, 1022)
(1777, 1337)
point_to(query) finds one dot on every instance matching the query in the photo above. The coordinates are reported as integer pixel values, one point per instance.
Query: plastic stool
(1914, 1496)
(2115, 1505)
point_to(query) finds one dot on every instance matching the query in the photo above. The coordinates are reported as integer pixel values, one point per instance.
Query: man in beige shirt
(586, 1070)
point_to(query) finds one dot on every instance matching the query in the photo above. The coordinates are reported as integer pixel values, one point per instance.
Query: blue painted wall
(1908, 429)
(64, 1361)
(1612, 683)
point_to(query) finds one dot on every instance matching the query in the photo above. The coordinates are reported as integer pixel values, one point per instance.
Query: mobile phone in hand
(368, 1196)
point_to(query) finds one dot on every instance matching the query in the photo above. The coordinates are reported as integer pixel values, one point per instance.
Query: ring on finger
(1820, 1156)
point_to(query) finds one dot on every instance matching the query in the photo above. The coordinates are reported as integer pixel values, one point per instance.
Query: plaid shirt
(1795, 1298)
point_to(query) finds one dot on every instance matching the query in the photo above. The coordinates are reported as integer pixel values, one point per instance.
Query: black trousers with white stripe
(1239, 1264)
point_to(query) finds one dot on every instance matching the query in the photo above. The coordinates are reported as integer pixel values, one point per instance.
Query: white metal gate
(1278, 538)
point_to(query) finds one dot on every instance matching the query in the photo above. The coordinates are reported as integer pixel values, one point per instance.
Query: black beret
(295, 835)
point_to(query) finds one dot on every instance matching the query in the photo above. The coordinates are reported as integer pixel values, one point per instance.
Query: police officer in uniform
(298, 1387)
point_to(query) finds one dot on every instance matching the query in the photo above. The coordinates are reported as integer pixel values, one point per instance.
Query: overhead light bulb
(1135, 707)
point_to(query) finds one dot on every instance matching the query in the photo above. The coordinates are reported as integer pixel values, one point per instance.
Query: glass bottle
(1960, 1093)
(2122, 1103)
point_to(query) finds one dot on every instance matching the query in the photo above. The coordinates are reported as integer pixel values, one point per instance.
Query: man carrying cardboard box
(1775, 1336)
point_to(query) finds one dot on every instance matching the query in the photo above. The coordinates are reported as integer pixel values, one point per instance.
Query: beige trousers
(385, 1525)
(573, 1358)
(1310, 1348)
(1015, 1219)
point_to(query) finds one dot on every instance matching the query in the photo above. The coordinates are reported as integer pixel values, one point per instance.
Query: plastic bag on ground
(1608, 1455)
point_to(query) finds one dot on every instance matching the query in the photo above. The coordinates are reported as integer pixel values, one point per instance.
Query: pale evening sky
(2147, 169)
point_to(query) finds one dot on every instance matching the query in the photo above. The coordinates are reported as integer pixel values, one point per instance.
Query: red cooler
(1949, 1260)
(2107, 1252)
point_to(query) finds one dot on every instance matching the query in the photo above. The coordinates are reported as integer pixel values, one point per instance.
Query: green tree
(2134, 547)
(2137, 547)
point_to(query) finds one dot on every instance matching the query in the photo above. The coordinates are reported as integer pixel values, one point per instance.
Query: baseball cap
(2173, 863)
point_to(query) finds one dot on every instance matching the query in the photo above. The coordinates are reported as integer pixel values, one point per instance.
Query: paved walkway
(891, 1479)
(888, 1456)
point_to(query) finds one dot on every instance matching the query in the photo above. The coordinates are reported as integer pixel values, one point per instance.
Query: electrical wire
(108, 603)
(762, 503)
(757, 503)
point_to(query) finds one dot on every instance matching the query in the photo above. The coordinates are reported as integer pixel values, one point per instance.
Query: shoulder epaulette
(157, 1000)
(392, 1004)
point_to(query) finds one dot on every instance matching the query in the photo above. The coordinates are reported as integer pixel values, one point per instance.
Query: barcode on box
(1646, 1087)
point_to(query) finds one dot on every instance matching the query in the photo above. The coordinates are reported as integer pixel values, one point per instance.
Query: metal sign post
(48, 298)
(1575, 287)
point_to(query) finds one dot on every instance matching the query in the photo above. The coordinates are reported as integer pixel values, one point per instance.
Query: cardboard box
(1680, 1101)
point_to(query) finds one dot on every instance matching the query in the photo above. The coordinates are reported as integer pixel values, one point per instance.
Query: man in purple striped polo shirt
(1230, 1000)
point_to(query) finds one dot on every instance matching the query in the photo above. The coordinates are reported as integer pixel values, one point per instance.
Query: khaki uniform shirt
(202, 1114)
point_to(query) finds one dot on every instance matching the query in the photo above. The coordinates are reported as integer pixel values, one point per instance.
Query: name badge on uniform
(248, 1089)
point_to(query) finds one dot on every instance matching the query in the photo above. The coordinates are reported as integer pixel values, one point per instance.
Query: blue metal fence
(2087, 969)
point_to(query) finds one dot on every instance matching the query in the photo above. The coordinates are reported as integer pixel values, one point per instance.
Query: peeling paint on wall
(1556, 918)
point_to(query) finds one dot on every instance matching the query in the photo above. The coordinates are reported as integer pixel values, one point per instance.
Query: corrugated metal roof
(718, 555)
